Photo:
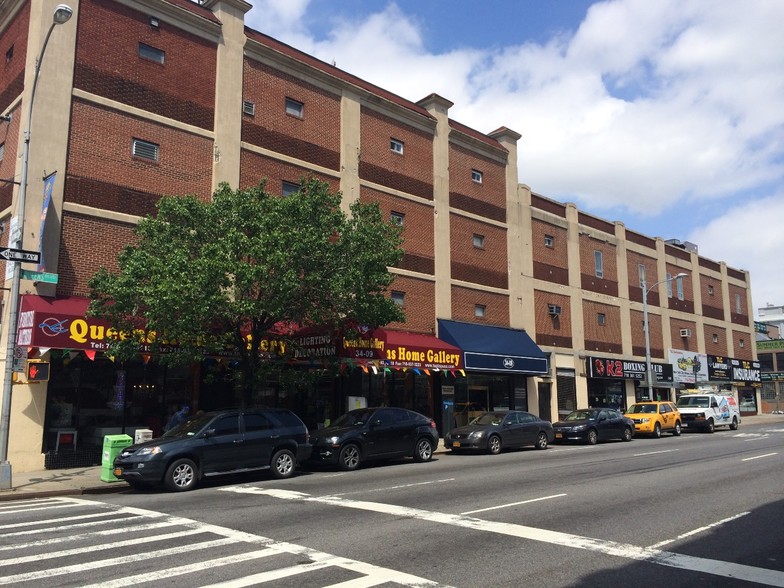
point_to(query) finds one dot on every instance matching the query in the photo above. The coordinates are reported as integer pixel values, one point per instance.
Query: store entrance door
(545, 401)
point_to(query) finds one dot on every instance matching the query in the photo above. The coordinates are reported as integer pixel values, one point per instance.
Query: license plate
(455, 443)
(117, 472)
(559, 435)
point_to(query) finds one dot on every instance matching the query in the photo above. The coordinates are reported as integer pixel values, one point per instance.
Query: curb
(28, 495)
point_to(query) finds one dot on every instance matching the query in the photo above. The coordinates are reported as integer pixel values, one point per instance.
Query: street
(698, 509)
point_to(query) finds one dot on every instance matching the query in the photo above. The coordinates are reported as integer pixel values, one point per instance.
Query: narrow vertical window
(479, 241)
(710, 290)
(738, 308)
(679, 286)
(641, 274)
(669, 285)
(601, 319)
(598, 261)
(549, 241)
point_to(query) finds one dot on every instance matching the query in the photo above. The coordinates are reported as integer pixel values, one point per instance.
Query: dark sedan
(591, 425)
(372, 434)
(497, 430)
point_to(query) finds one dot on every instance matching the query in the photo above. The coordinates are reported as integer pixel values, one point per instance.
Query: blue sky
(666, 115)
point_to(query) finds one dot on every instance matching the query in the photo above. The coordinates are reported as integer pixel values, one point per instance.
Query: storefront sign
(688, 367)
(772, 376)
(745, 372)
(398, 349)
(622, 369)
(773, 345)
(719, 369)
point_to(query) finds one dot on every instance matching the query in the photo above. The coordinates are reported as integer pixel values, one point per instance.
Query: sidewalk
(87, 480)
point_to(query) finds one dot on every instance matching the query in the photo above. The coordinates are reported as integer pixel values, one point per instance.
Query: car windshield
(698, 401)
(190, 427)
(582, 415)
(489, 418)
(355, 418)
(642, 408)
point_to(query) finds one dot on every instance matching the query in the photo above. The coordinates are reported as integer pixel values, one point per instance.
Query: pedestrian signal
(37, 371)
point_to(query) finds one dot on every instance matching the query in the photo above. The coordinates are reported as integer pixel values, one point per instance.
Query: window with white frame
(598, 262)
(145, 150)
(398, 297)
(741, 343)
(641, 275)
(248, 108)
(479, 310)
(295, 108)
(601, 318)
(715, 338)
(396, 146)
(397, 218)
(479, 241)
(288, 188)
(549, 241)
(679, 287)
(710, 289)
(669, 285)
(151, 53)
(476, 176)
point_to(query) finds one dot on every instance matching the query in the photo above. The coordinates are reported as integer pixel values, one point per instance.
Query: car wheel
(423, 450)
(541, 441)
(657, 431)
(494, 444)
(593, 437)
(627, 434)
(677, 430)
(734, 425)
(182, 475)
(283, 464)
(349, 457)
(710, 427)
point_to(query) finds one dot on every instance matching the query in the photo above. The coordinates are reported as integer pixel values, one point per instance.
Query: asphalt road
(696, 510)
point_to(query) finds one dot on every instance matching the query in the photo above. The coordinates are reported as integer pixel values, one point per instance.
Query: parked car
(706, 411)
(368, 434)
(211, 444)
(654, 417)
(591, 425)
(497, 430)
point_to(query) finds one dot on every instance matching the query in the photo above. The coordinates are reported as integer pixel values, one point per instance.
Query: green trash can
(112, 447)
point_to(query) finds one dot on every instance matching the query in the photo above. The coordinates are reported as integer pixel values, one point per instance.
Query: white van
(705, 411)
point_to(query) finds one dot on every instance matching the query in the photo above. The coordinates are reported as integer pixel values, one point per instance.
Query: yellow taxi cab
(655, 417)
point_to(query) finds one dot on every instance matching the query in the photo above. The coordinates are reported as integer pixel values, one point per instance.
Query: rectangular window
(9, 55)
(479, 310)
(2, 151)
(741, 343)
(295, 108)
(738, 308)
(641, 274)
(479, 241)
(248, 108)
(602, 319)
(144, 150)
(669, 285)
(397, 218)
(151, 53)
(288, 188)
(476, 176)
(715, 338)
(710, 290)
(398, 297)
(598, 264)
(679, 286)
(549, 241)
(396, 146)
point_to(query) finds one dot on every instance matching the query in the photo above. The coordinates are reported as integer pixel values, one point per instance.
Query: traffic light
(37, 371)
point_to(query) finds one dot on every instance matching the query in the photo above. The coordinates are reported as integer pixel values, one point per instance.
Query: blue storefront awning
(494, 349)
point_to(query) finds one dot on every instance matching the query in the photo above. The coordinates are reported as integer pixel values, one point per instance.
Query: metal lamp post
(647, 329)
(62, 13)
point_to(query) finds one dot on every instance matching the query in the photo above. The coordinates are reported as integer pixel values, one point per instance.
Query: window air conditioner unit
(553, 310)
(685, 332)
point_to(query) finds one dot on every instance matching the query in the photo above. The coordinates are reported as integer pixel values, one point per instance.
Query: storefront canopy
(402, 349)
(495, 349)
(60, 323)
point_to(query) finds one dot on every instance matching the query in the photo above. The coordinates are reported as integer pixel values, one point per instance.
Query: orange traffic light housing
(37, 371)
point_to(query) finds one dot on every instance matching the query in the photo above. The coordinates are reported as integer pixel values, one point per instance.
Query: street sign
(39, 276)
(20, 359)
(20, 255)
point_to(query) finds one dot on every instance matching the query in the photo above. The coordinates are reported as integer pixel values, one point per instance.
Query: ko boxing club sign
(622, 369)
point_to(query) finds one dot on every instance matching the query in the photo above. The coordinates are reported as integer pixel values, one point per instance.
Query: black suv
(375, 433)
(229, 441)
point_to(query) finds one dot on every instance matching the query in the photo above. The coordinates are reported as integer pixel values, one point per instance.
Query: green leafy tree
(217, 277)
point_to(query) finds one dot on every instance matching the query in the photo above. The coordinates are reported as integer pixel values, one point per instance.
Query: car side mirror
(209, 433)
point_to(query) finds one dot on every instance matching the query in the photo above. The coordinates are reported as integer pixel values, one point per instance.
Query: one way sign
(20, 255)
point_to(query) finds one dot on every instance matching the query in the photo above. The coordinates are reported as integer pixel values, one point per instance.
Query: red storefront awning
(402, 349)
(60, 323)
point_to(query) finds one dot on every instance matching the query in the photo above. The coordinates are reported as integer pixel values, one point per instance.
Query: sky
(665, 115)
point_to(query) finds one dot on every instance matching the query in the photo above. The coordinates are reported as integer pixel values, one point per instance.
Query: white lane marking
(654, 452)
(759, 456)
(75, 536)
(633, 552)
(700, 530)
(60, 520)
(30, 506)
(396, 487)
(468, 512)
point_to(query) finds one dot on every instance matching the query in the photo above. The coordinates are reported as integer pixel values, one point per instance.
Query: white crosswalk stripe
(34, 547)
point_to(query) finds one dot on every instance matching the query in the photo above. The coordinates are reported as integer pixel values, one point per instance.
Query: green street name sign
(39, 276)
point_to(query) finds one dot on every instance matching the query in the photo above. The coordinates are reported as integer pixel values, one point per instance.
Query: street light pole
(646, 328)
(62, 13)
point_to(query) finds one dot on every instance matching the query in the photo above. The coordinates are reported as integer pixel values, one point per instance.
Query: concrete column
(350, 149)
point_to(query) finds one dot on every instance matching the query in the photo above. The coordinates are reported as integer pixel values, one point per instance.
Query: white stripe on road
(396, 487)
(759, 456)
(633, 552)
(653, 452)
(60, 520)
(700, 530)
(468, 512)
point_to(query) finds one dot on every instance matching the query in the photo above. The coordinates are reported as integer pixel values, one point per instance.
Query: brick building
(143, 98)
